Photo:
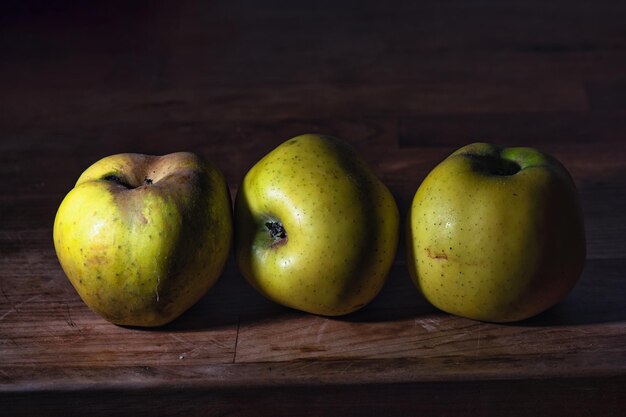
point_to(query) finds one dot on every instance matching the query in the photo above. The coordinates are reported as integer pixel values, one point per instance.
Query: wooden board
(405, 83)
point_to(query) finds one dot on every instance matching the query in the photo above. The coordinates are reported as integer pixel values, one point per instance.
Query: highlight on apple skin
(316, 230)
(496, 234)
(142, 238)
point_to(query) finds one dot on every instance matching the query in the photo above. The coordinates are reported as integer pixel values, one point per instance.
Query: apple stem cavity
(277, 231)
(117, 180)
(494, 165)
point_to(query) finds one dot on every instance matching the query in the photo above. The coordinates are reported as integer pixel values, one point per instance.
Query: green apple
(496, 234)
(316, 230)
(142, 238)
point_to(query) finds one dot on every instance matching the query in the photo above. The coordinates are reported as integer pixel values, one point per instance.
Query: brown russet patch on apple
(97, 259)
(443, 256)
(171, 174)
(184, 179)
(96, 255)
(436, 255)
(142, 217)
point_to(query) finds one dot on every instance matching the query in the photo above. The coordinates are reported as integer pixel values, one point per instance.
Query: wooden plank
(578, 397)
(57, 110)
(44, 325)
(399, 324)
(47, 330)
(221, 45)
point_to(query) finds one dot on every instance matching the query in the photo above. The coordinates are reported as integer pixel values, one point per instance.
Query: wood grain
(406, 83)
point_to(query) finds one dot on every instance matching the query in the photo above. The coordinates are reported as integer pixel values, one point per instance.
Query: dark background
(405, 82)
(88, 79)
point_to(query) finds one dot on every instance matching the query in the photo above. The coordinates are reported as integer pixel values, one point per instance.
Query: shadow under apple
(597, 298)
(229, 301)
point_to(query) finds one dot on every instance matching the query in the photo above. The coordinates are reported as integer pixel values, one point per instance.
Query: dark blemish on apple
(431, 254)
(277, 231)
(147, 181)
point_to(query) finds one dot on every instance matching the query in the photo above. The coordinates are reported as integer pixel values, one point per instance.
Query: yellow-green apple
(142, 238)
(316, 230)
(496, 234)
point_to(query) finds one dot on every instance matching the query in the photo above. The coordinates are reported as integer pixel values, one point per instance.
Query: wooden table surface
(406, 83)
